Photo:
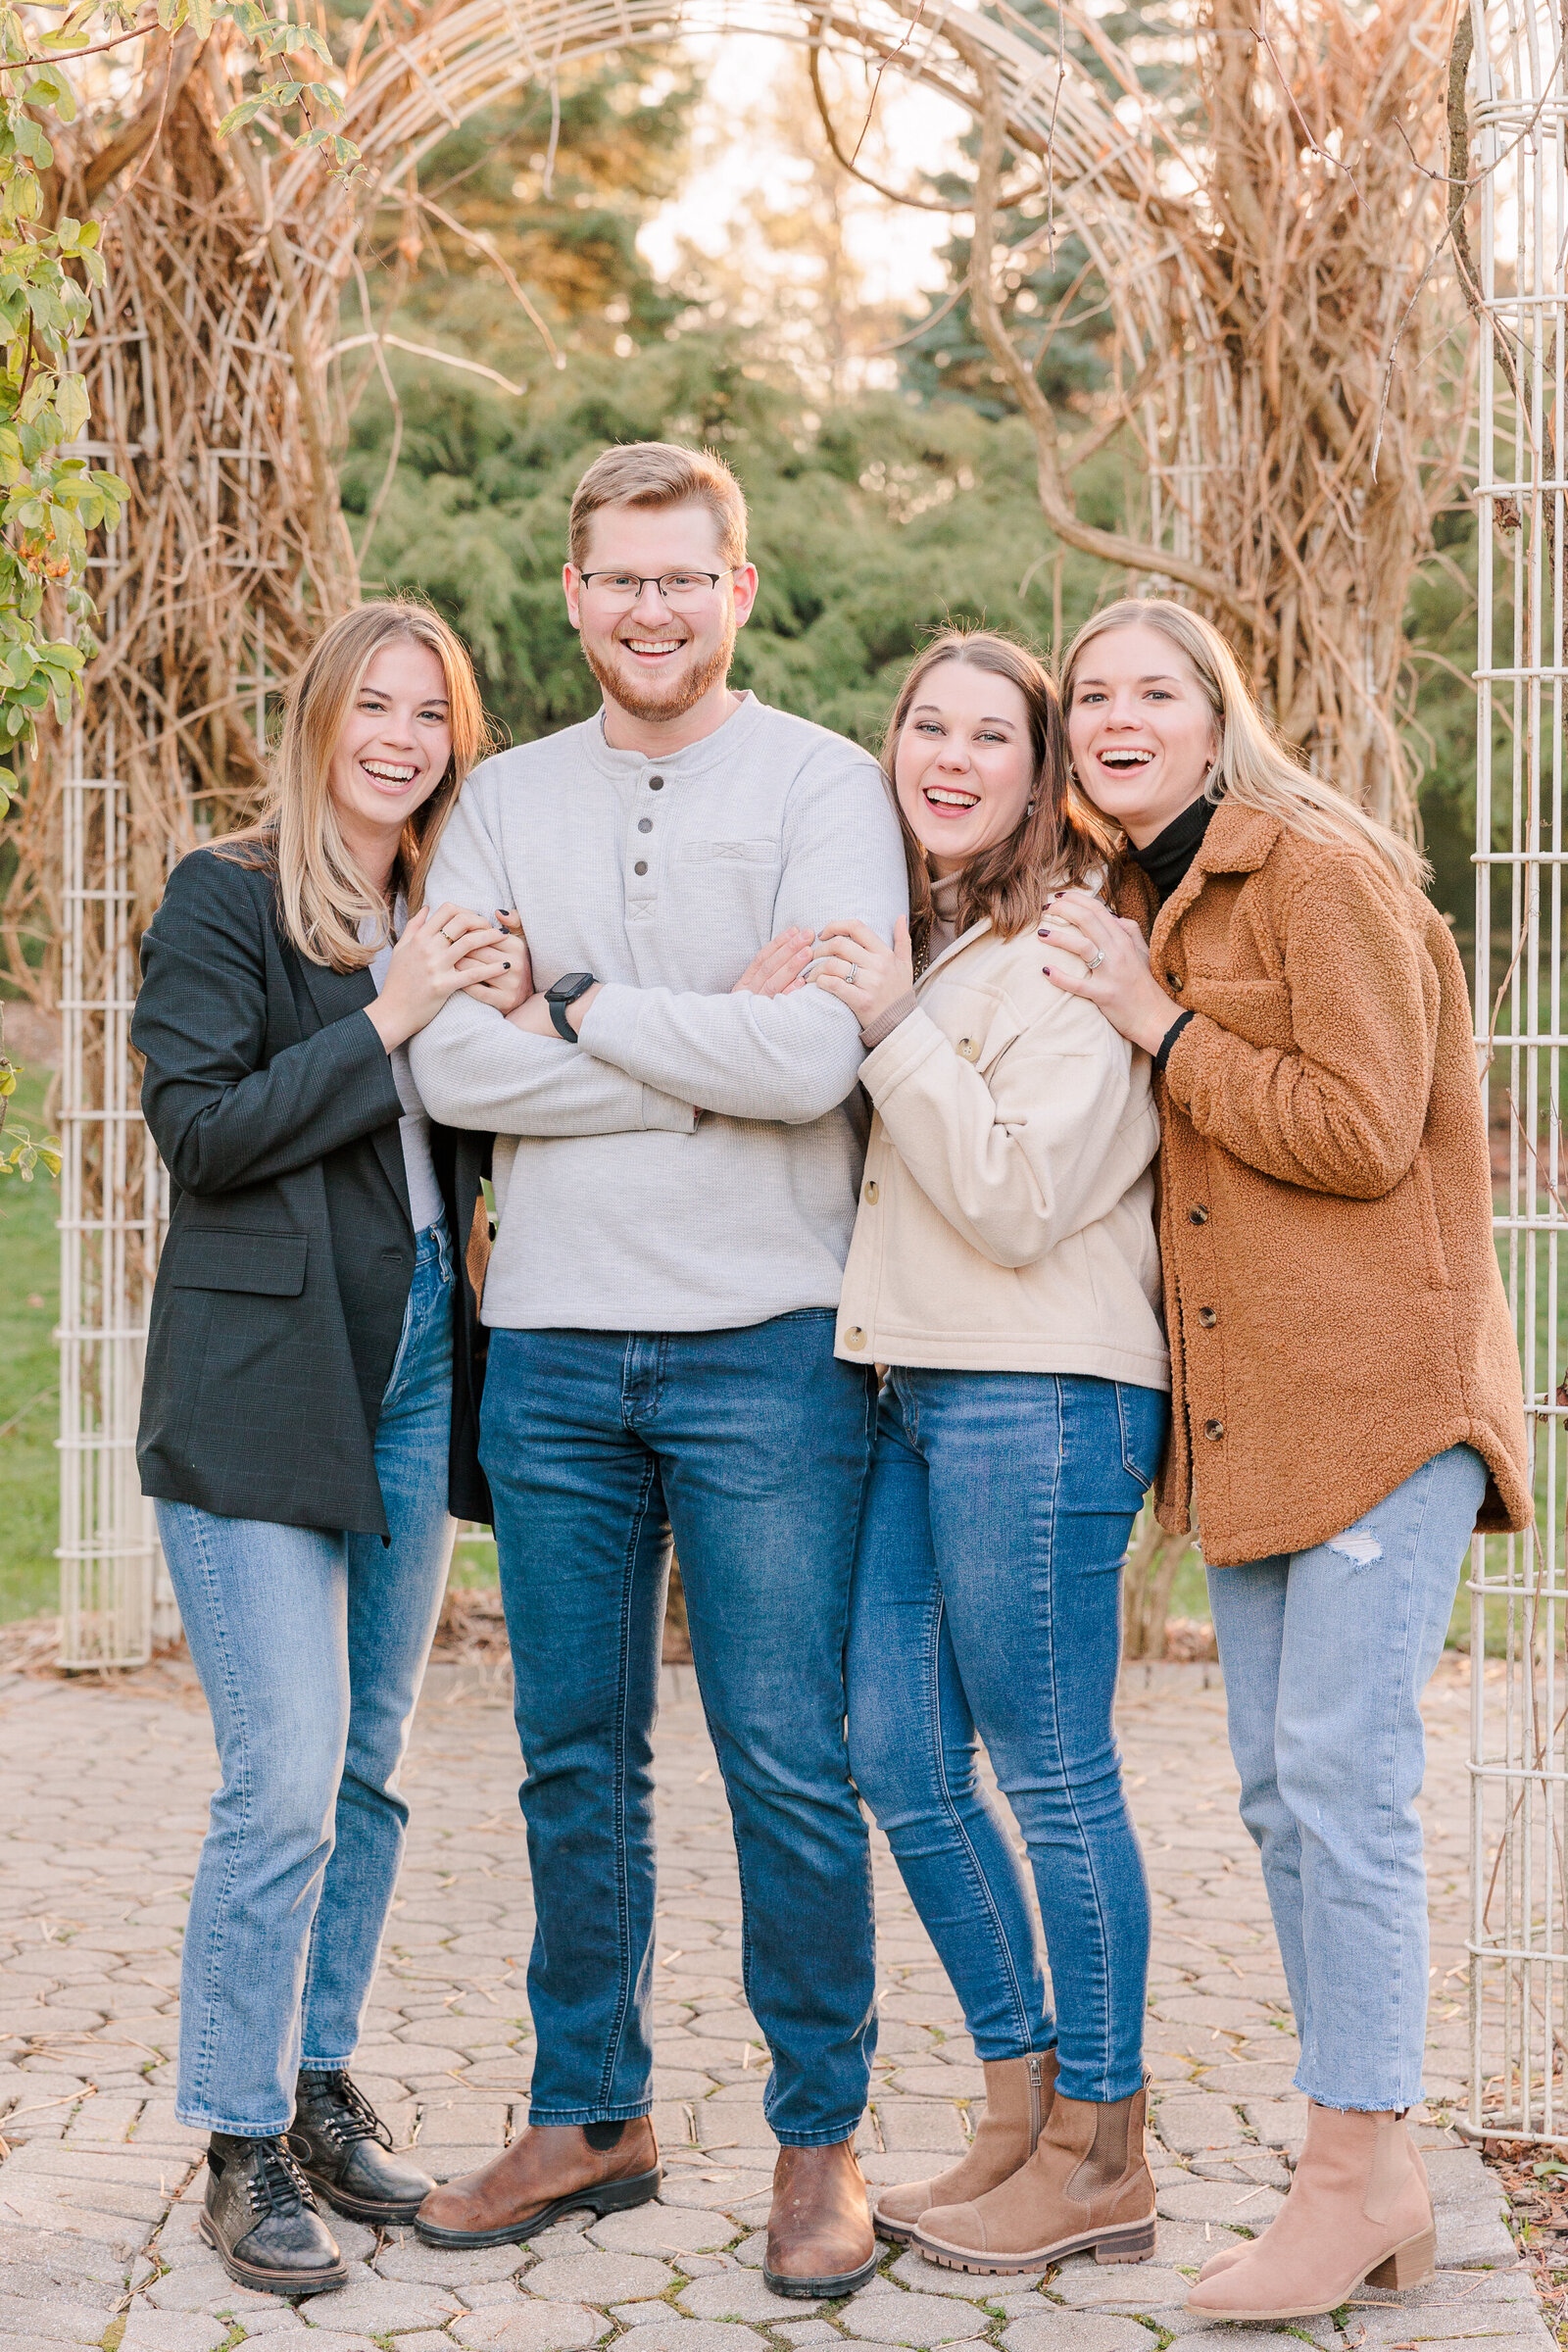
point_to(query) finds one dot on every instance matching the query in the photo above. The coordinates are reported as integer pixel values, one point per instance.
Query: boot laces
(350, 2117)
(276, 2183)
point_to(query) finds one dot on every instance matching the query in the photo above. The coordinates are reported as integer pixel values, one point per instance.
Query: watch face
(570, 985)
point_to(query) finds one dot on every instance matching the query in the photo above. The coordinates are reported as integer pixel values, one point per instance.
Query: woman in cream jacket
(1004, 1269)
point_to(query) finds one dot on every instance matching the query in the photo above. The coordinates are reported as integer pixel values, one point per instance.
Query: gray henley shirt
(693, 1162)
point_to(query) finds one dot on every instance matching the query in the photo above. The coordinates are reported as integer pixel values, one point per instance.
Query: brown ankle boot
(550, 2169)
(1018, 2095)
(819, 2235)
(1087, 2185)
(1360, 2212)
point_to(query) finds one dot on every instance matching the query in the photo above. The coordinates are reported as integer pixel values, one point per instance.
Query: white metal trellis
(1519, 1751)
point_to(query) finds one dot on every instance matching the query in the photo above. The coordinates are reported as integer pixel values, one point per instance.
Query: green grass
(30, 1378)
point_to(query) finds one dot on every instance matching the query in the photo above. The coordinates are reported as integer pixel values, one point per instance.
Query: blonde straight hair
(323, 899)
(1254, 770)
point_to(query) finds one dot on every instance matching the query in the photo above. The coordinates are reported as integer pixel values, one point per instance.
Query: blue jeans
(753, 1446)
(311, 1647)
(987, 1610)
(1325, 1655)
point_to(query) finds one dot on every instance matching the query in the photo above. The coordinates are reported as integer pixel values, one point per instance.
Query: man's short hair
(659, 473)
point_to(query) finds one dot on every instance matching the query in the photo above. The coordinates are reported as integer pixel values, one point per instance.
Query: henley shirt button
(873, 1191)
(645, 824)
(656, 783)
(1198, 1216)
(1208, 1317)
(854, 1336)
(641, 866)
(1215, 1429)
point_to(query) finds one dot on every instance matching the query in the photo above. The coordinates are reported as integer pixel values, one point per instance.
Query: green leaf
(238, 115)
(72, 406)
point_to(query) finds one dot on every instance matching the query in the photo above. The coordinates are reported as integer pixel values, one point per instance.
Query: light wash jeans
(988, 1608)
(311, 1647)
(1325, 1655)
(752, 1445)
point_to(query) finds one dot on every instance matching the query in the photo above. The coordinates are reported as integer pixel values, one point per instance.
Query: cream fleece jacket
(1007, 1210)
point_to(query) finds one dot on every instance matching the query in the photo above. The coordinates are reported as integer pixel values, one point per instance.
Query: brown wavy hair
(323, 899)
(1061, 841)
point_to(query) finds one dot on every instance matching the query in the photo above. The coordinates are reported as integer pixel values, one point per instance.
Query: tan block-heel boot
(1085, 2185)
(1360, 2212)
(1019, 2096)
(1223, 2261)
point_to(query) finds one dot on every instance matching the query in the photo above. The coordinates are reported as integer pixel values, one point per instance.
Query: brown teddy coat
(1335, 1310)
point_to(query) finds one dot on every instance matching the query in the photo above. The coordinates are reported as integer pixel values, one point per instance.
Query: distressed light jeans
(310, 1646)
(1325, 1655)
(988, 1608)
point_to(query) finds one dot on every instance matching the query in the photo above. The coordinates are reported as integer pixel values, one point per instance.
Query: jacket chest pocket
(1258, 1011)
(210, 1258)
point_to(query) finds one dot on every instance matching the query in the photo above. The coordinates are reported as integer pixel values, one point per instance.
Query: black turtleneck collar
(1169, 855)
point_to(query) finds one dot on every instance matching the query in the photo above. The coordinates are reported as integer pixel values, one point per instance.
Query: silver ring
(849, 975)
(1095, 961)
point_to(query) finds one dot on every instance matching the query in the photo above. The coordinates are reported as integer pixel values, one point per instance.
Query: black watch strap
(564, 994)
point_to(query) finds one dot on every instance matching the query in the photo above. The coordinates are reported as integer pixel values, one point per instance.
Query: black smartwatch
(567, 992)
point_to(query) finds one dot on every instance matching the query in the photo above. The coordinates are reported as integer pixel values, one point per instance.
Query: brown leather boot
(1087, 2185)
(819, 2235)
(1360, 2212)
(550, 2169)
(1018, 2095)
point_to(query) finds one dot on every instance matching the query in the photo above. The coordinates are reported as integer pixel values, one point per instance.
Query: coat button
(645, 824)
(656, 783)
(1174, 980)
(641, 866)
(1208, 1317)
(1198, 1216)
(970, 1047)
(854, 1336)
(1213, 1429)
(873, 1191)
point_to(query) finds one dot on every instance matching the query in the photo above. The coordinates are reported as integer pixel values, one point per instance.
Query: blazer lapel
(334, 995)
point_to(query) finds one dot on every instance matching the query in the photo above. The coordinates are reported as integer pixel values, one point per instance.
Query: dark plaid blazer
(286, 1273)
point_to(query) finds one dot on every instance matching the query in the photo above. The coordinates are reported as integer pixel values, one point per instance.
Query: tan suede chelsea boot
(1019, 2096)
(1358, 2213)
(1085, 2187)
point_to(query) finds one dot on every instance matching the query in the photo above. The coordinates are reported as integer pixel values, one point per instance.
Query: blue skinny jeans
(987, 1611)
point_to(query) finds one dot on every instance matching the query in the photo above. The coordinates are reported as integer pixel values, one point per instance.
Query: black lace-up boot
(344, 2151)
(263, 2221)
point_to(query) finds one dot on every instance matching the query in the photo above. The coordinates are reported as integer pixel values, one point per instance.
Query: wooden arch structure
(219, 389)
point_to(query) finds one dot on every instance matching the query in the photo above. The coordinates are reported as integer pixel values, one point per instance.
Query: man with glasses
(678, 1151)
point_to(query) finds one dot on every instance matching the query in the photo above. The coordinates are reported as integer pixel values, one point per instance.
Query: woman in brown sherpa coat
(1346, 1402)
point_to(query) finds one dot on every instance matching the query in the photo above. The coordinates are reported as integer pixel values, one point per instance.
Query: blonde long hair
(1254, 770)
(324, 898)
(1061, 840)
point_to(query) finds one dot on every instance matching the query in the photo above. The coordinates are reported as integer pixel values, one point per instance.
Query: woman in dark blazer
(307, 1423)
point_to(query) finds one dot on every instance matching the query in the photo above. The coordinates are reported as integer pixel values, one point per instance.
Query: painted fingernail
(1046, 968)
(1044, 933)
(506, 967)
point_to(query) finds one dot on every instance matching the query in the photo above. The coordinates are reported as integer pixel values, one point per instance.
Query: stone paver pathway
(105, 1803)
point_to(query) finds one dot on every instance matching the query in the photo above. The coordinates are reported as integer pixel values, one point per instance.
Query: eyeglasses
(675, 587)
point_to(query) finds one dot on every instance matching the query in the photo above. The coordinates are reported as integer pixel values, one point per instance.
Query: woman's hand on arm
(426, 968)
(1104, 957)
(777, 970)
(500, 976)
(881, 974)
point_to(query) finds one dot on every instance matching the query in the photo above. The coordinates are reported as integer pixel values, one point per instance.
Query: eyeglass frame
(654, 579)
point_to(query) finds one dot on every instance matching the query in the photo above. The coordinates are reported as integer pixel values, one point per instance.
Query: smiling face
(1141, 729)
(963, 767)
(659, 660)
(392, 750)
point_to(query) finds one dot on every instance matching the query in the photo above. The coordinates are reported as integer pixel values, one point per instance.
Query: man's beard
(650, 707)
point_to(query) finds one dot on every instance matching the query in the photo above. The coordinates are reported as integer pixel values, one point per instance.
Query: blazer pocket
(229, 1258)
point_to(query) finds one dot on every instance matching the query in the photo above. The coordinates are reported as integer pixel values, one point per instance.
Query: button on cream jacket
(1006, 1221)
